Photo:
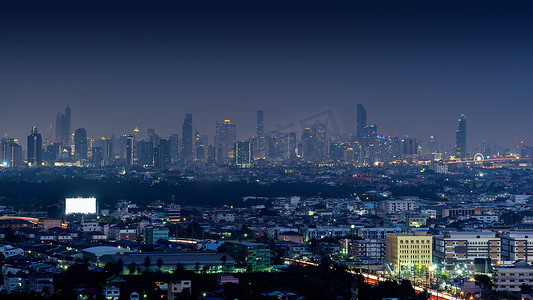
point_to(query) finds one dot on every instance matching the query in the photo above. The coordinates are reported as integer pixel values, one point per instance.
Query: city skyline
(53, 134)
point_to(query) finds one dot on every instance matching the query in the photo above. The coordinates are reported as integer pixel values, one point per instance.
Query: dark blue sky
(416, 66)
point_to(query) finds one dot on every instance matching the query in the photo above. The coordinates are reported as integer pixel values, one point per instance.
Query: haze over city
(415, 67)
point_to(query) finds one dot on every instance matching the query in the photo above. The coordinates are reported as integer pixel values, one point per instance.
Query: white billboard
(80, 206)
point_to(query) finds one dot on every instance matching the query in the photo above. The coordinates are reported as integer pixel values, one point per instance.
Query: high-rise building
(153, 137)
(63, 127)
(409, 146)
(106, 147)
(136, 133)
(10, 153)
(260, 133)
(80, 143)
(35, 148)
(368, 144)
(129, 150)
(308, 141)
(361, 121)
(174, 148)
(243, 154)
(144, 153)
(460, 139)
(187, 137)
(53, 151)
(98, 156)
(162, 154)
(226, 134)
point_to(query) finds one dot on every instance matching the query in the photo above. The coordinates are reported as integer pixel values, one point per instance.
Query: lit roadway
(503, 159)
(374, 280)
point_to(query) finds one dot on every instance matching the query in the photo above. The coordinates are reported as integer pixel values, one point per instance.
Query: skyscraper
(162, 154)
(361, 121)
(63, 127)
(260, 133)
(174, 148)
(10, 153)
(226, 134)
(187, 137)
(243, 154)
(129, 150)
(460, 138)
(35, 148)
(80, 143)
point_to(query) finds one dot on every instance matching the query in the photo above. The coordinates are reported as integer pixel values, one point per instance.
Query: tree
(197, 267)
(132, 268)
(120, 266)
(223, 260)
(147, 263)
(159, 263)
(221, 248)
(205, 269)
(110, 268)
(179, 268)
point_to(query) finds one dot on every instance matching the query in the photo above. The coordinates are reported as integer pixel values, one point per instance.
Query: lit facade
(408, 252)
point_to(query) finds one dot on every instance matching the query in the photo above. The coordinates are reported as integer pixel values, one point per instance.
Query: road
(374, 280)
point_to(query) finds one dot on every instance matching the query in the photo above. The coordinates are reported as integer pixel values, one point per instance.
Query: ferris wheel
(478, 158)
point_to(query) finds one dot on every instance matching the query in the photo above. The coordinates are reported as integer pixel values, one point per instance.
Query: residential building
(408, 252)
(511, 278)
(454, 250)
(177, 287)
(153, 234)
(517, 245)
(250, 255)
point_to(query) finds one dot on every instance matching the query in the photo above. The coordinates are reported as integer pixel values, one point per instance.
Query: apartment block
(406, 252)
(461, 249)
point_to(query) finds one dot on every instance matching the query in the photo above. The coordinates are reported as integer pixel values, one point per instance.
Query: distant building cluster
(317, 141)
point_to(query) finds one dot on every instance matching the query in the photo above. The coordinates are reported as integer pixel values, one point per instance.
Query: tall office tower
(200, 146)
(280, 146)
(260, 133)
(137, 133)
(243, 154)
(162, 154)
(361, 121)
(321, 144)
(409, 146)
(153, 137)
(107, 150)
(63, 127)
(308, 141)
(129, 150)
(211, 155)
(226, 134)
(53, 151)
(174, 148)
(460, 138)
(144, 153)
(186, 135)
(80, 143)
(272, 148)
(48, 138)
(35, 148)
(368, 143)
(98, 156)
(10, 153)
(432, 145)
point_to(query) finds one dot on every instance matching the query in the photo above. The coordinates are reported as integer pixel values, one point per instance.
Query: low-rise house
(111, 293)
(177, 287)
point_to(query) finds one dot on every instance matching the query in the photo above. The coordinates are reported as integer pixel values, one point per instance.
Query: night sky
(415, 66)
